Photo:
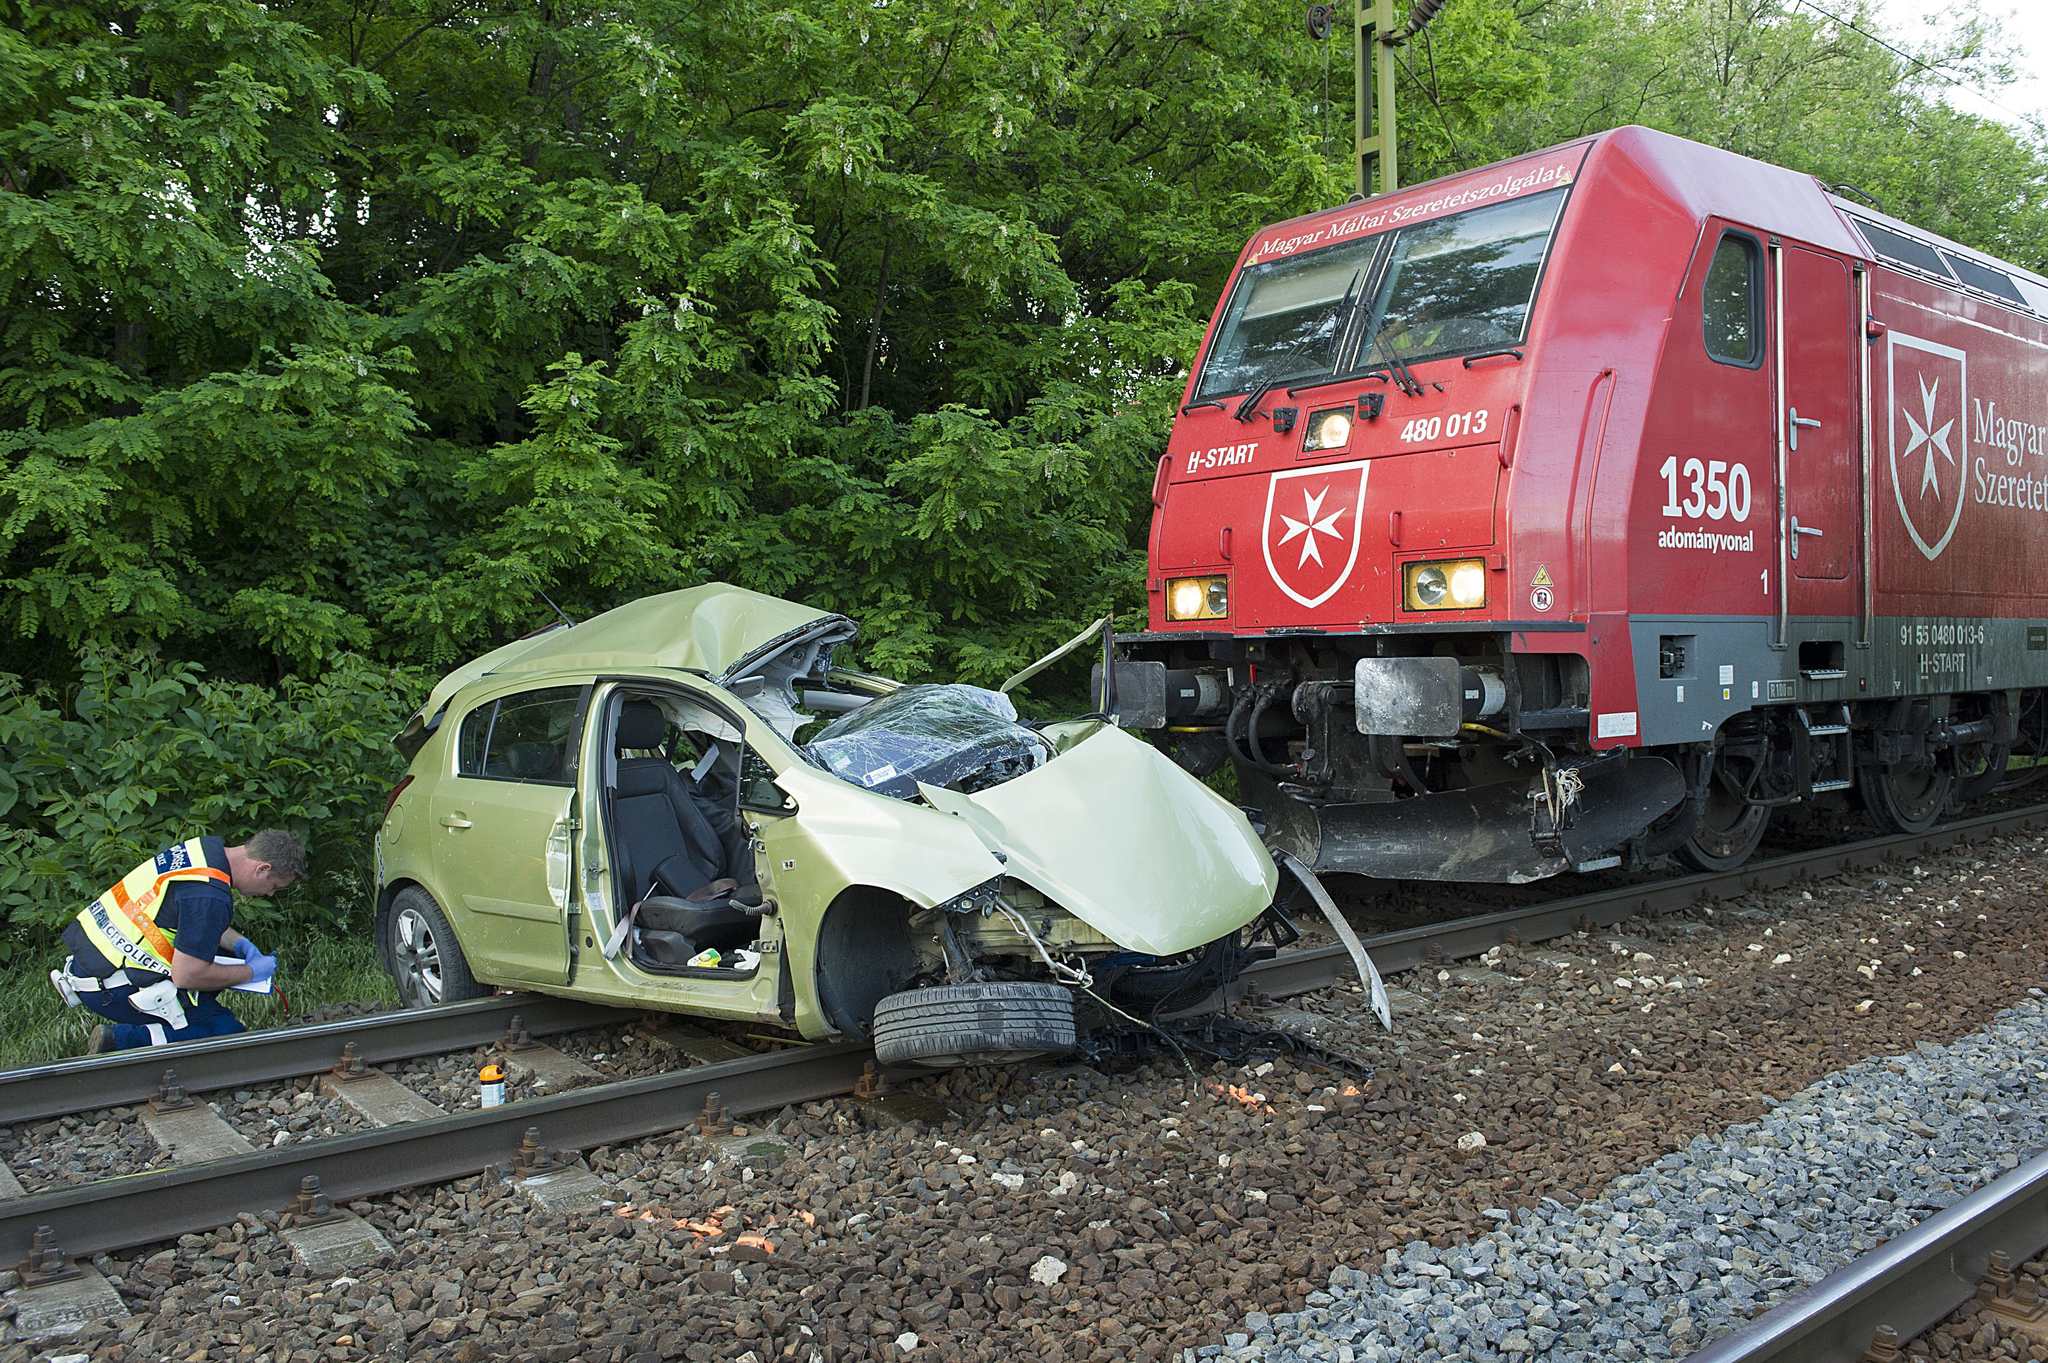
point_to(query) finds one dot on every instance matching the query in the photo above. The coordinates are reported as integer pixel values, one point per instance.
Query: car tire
(966, 1024)
(425, 960)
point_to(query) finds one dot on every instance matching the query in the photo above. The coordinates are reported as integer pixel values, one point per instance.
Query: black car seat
(671, 860)
(533, 761)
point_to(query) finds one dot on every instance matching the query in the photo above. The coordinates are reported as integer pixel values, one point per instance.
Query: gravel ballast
(1066, 1213)
(1686, 1250)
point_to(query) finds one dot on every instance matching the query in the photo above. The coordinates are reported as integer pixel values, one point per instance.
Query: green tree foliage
(342, 329)
(141, 751)
(1773, 79)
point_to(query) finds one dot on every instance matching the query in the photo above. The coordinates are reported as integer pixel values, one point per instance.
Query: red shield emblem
(1310, 537)
(1930, 441)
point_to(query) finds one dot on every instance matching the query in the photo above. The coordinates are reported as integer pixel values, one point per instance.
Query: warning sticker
(1616, 724)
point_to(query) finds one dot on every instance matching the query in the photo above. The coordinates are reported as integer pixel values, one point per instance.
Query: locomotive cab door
(1819, 472)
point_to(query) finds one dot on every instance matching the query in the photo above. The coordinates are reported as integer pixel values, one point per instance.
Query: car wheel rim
(419, 958)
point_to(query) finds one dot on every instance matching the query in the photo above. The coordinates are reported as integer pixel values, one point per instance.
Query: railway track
(49, 1226)
(1911, 1282)
(80, 1085)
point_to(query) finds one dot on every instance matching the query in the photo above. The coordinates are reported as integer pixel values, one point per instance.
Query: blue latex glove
(261, 968)
(247, 949)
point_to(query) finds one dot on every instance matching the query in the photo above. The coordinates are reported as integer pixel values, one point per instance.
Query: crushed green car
(684, 805)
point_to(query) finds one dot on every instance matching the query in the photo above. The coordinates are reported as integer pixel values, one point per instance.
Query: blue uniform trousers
(132, 1028)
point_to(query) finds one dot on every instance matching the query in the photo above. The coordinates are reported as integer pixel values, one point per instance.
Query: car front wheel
(426, 962)
(968, 1024)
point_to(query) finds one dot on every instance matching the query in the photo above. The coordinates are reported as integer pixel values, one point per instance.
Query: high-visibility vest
(122, 924)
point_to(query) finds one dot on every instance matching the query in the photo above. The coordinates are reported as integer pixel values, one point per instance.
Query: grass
(315, 973)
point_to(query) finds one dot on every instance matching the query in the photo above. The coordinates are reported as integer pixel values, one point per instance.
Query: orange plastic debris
(1239, 1094)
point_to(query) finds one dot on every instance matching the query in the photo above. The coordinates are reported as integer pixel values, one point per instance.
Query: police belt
(94, 984)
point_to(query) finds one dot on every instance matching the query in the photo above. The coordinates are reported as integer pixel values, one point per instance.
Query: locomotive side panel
(1959, 490)
(1702, 540)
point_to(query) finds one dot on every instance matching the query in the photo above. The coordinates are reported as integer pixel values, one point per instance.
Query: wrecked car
(686, 804)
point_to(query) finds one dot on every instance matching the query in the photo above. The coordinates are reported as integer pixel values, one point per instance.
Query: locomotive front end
(1343, 606)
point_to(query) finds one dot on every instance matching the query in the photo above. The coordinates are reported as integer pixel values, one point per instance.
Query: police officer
(142, 954)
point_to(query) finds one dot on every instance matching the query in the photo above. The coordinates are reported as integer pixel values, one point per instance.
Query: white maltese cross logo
(1311, 550)
(1929, 384)
(1925, 434)
(1312, 523)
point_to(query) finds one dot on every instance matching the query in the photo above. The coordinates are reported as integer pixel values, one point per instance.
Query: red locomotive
(1595, 505)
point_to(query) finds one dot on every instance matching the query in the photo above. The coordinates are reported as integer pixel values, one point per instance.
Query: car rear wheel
(967, 1024)
(426, 961)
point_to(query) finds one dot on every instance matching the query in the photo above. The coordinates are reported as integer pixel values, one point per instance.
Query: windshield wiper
(1403, 377)
(1247, 409)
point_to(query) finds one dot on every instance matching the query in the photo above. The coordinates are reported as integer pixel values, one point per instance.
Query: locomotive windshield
(1438, 288)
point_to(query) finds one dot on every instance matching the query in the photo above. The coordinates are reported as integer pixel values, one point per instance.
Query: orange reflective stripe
(192, 873)
(146, 925)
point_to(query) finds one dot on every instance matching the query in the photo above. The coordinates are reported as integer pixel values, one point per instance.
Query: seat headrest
(533, 761)
(641, 725)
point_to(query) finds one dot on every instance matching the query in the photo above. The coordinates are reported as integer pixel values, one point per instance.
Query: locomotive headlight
(1328, 430)
(1197, 598)
(1456, 585)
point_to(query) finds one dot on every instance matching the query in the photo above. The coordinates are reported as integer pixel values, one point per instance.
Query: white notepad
(247, 986)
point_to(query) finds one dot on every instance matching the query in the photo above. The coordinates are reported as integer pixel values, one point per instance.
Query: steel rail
(143, 1209)
(146, 1208)
(1908, 1283)
(1300, 972)
(68, 1086)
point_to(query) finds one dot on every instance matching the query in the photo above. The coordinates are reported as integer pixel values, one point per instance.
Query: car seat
(671, 859)
(533, 761)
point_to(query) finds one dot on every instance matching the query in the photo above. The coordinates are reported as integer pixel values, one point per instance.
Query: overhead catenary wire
(1903, 55)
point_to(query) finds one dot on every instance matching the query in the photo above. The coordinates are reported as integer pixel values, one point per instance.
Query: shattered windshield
(964, 738)
(1456, 284)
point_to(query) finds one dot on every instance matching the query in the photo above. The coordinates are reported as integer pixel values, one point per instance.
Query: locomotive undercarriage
(1504, 785)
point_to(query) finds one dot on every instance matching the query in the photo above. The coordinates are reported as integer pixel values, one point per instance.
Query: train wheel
(1906, 797)
(1730, 830)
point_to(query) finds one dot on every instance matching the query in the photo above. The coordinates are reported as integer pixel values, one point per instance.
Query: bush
(141, 753)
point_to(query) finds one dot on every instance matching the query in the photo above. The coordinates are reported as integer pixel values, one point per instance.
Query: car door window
(527, 737)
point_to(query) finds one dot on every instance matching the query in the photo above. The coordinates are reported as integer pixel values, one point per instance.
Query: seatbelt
(703, 764)
(612, 943)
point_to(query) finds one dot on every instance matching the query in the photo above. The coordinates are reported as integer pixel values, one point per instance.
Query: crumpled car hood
(1124, 840)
